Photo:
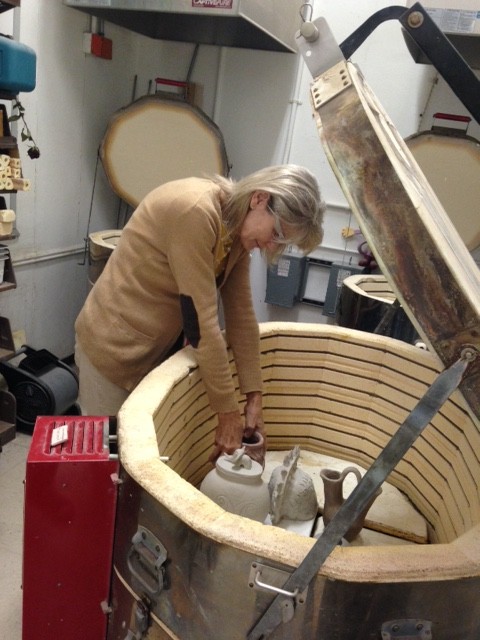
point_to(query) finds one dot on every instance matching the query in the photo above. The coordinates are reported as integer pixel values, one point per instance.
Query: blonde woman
(187, 241)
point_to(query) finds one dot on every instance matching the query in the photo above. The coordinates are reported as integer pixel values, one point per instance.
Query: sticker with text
(213, 4)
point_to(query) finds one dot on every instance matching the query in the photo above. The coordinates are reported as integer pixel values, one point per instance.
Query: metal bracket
(322, 53)
(143, 621)
(260, 572)
(407, 629)
(422, 35)
(146, 561)
(330, 84)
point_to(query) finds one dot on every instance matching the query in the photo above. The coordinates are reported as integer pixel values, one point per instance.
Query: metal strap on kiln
(400, 443)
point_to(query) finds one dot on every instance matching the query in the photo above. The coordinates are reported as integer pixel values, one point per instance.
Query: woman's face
(260, 227)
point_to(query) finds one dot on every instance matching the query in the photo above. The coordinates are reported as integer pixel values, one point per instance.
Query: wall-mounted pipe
(48, 256)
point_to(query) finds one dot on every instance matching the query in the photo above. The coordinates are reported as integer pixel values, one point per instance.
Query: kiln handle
(453, 118)
(270, 587)
(146, 561)
(427, 407)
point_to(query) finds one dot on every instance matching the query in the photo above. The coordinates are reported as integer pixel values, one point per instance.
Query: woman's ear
(259, 198)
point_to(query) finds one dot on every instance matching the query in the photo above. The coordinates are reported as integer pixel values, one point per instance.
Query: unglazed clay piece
(236, 485)
(292, 493)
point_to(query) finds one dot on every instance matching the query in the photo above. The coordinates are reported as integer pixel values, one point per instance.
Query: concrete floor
(12, 475)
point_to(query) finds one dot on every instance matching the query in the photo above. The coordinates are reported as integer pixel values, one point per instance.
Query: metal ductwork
(252, 24)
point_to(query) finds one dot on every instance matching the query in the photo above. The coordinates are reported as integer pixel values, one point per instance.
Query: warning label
(213, 4)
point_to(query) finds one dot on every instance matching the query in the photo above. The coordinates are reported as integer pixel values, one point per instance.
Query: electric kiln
(185, 568)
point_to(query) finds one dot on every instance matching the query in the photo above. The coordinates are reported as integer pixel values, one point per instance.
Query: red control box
(69, 519)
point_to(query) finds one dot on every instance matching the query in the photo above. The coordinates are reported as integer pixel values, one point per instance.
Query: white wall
(259, 99)
(68, 113)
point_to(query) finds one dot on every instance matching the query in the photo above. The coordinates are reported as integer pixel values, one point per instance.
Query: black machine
(42, 385)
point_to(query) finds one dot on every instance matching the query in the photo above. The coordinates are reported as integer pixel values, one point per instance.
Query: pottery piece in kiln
(292, 493)
(236, 485)
(255, 447)
(333, 488)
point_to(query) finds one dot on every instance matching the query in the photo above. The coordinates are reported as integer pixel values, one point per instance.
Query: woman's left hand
(228, 434)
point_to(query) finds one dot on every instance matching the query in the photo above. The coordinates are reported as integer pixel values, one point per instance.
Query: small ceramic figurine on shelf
(292, 493)
(236, 485)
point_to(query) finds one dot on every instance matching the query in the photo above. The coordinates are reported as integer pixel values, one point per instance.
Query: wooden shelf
(14, 235)
(5, 286)
(8, 142)
(5, 5)
(9, 280)
(7, 417)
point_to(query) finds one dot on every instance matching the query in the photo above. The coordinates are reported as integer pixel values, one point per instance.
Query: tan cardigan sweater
(172, 246)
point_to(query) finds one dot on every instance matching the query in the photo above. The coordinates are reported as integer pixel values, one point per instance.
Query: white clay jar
(236, 485)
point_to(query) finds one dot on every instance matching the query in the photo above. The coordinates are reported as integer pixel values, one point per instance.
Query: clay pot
(255, 447)
(333, 489)
(236, 485)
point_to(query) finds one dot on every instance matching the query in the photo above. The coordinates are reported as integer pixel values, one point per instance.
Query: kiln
(185, 568)
(363, 398)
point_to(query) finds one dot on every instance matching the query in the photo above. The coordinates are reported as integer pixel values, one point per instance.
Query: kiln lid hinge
(407, 629)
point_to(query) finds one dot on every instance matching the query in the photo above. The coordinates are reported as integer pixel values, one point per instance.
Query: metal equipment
(70, 500)
(255, 24)
(42, 385)
(381, 188)
(209, 552)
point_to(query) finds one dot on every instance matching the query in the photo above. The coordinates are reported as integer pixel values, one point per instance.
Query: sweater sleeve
(242, 326)
(192, 238)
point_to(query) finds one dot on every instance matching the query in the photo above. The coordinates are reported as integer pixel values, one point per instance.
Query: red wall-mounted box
(101, 46)
(69, 520)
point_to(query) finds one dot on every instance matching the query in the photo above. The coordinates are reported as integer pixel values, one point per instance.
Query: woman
(186, 240)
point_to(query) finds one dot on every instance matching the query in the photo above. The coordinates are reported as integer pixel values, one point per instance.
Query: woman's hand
(254, 424)
(231, 430)
(228, 435)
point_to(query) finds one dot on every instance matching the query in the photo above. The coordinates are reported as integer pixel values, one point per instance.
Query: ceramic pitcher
(333, 489)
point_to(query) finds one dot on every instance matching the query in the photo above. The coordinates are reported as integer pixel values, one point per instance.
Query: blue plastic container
(17, 66)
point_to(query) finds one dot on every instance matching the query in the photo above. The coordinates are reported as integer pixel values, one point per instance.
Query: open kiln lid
(450, 161)
(157, 139)
(414, 241)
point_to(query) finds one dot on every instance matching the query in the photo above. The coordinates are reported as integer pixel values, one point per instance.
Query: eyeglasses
(277, 235)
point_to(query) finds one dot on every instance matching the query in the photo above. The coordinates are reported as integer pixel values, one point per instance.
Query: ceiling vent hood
(252, 24)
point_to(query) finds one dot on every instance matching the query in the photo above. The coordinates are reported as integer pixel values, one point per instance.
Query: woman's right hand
(228, 435)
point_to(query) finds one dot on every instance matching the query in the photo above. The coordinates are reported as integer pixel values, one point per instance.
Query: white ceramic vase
(236, 485)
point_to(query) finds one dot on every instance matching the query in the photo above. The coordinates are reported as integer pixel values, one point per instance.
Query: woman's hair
(294, 198)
